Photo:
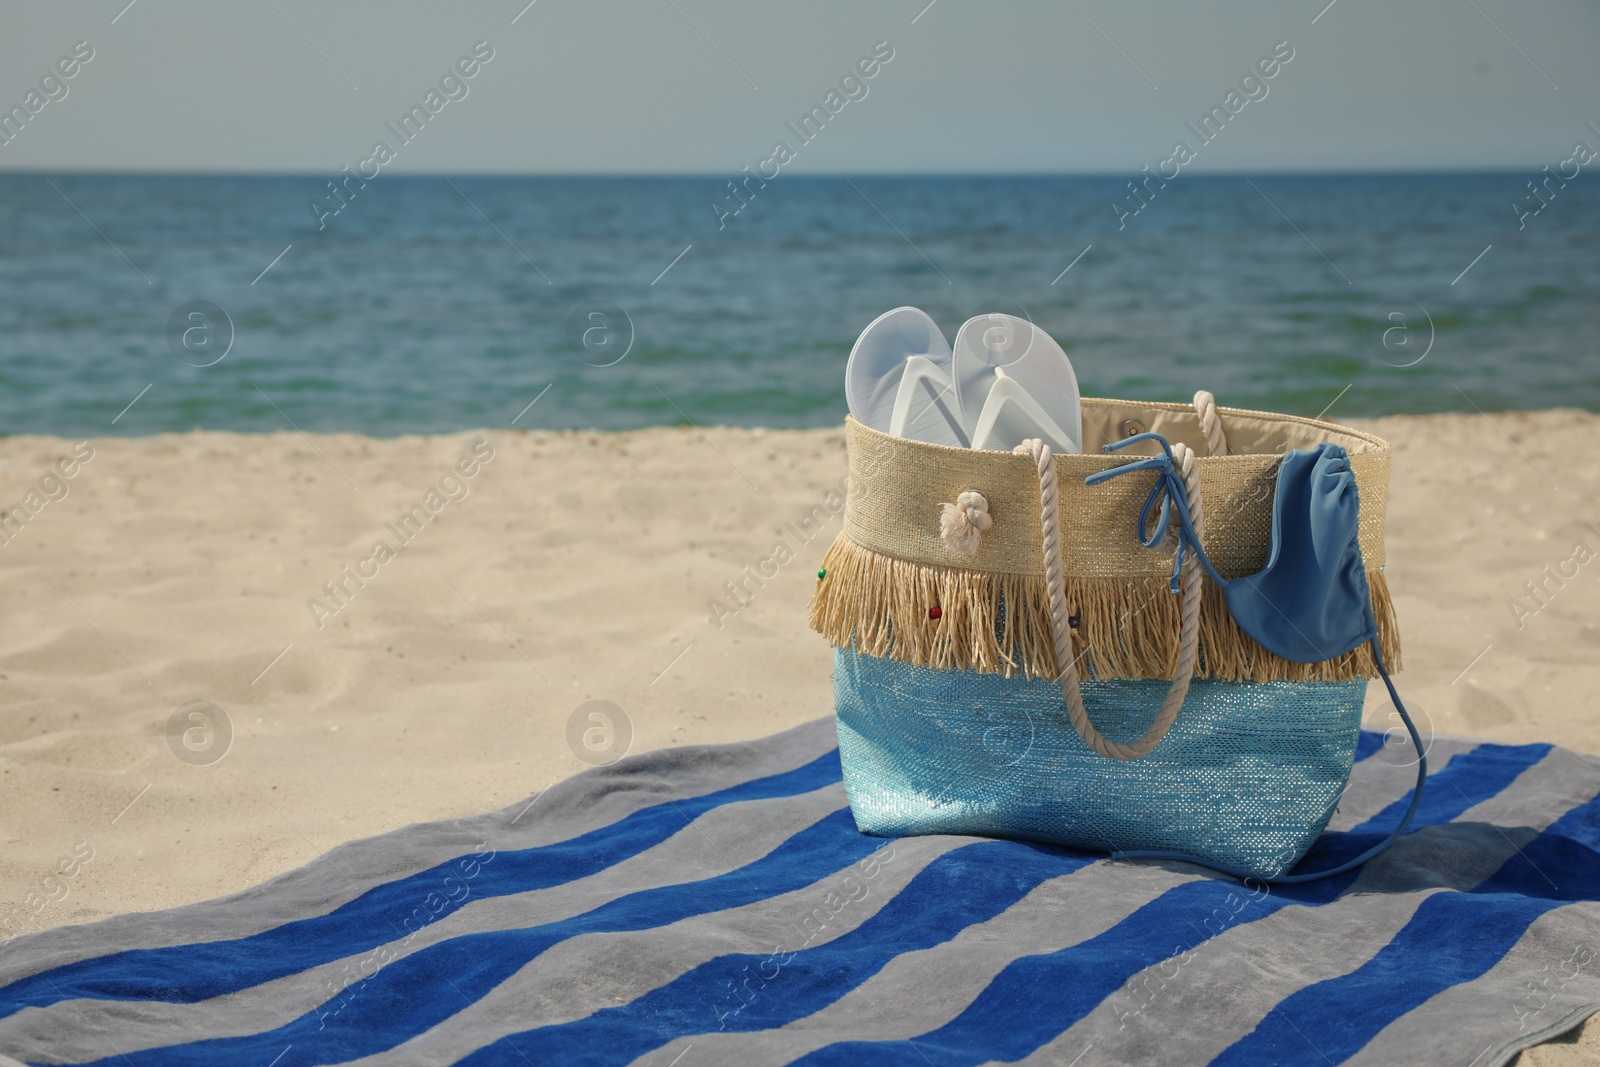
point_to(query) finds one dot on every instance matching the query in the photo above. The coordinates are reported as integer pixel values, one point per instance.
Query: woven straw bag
(1012, 660)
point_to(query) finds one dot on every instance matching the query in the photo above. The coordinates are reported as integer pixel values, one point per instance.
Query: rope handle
(963, 523)
(1205, 406)
(1172, 491)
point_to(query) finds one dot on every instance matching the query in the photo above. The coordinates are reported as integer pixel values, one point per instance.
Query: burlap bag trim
(889, 566)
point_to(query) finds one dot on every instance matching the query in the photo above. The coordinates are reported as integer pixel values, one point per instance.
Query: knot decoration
(962, 524)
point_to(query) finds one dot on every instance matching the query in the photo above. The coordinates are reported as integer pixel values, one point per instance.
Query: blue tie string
(1171, 494)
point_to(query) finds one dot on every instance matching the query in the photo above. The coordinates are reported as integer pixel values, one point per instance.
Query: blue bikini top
(1310, 602)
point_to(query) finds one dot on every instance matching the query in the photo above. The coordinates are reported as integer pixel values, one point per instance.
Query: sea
(142, 304)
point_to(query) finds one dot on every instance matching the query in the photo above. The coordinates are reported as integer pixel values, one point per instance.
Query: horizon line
(829, 175)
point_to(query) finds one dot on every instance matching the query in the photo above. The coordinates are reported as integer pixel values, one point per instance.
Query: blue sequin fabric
(1248, 776)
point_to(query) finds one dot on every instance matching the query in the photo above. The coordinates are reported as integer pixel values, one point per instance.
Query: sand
(568, 567)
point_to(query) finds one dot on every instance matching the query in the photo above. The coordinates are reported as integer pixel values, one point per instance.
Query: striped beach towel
(716, 905)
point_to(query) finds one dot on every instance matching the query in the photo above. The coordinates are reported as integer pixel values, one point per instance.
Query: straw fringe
(1000, 623)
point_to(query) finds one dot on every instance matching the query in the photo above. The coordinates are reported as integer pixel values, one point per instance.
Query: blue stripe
(1486, 767)
(741, 992)
(1368, 743)
(190, 973)
(1454, 937)
(423, 989)
(1469, 778)
(1036, 998)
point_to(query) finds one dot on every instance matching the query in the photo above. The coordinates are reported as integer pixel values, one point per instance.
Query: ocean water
(432, 304)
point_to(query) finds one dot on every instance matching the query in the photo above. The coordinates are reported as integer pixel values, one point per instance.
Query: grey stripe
(1202, 1002)
(720, 840)
(1375, 783)
(1547, 984)
(921, 991)
(566, 984)
(1567, 779)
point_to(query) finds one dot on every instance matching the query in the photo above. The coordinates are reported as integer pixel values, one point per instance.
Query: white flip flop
(898, 379)
(1014, 382)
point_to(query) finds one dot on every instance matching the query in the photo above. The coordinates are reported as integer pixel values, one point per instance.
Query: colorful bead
(1072, 621)
(934, 613)
(823, 573)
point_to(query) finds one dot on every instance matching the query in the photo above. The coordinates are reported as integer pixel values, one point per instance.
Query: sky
(708, 86)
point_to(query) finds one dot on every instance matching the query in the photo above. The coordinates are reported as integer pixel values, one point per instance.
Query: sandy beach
(526, 573)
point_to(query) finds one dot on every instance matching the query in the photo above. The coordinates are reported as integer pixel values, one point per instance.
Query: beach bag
(1161, 652)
